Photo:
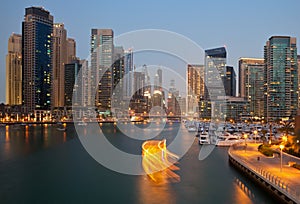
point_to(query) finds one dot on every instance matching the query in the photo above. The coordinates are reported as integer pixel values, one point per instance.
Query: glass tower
(281, 77)
(37, 58)
(251, 84)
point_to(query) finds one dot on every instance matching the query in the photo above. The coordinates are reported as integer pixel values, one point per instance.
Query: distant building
(71, 88)
(195, 86)
(172, 100)
(102, 49)
(14, 70)
(215, 74)
(37, 50)
(230, 81)
(251, 84)
(128, 74)
(281, 77)
(117, 77)
(235, 108)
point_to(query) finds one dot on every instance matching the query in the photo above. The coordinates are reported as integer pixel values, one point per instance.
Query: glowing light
(158, 162)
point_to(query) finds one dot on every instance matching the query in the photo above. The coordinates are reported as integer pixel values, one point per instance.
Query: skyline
(244, 43)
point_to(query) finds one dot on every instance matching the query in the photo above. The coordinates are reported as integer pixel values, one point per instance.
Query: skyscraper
(215, 72)
(59, 60)
(71, 85)
(101, 61)
(230, 81)
(128, 74)
(64, 52)
(71, 50)
(281, 77)
(195, 86)
(251, 84)
(14, 70)
(117, 75)
(37, 53)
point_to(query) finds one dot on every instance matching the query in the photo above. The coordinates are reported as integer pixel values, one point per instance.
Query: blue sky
(243, 26)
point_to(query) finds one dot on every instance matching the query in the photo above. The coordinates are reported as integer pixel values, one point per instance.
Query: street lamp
(284, 138)
(245, 137)
(255, 134)
(281, 147)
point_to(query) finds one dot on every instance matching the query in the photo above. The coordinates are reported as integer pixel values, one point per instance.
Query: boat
(192, 128)
(82, 123)
(61, 129)
(227, 140)
(204, 138)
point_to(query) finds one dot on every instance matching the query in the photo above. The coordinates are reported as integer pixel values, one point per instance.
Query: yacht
(227, 140)
(82, 123)
(192, 128)
(61, 129)
(204, 138)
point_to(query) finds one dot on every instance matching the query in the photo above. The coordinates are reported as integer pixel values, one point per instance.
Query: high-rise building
(128, 74)
(117, 76)
(298, 64)
(172, 101)
(71, 50)
(37, 50)
(251, 84)
(64, 52)
(215, 73)
(230, 81)
(281, 77)
(102, 49)
(195, 86)
(14, 70)
(59, 60)
(71, 84)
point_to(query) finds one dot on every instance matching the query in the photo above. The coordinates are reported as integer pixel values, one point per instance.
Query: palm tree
(287, 128)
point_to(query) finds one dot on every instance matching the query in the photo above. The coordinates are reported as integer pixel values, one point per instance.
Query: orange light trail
(158, 162)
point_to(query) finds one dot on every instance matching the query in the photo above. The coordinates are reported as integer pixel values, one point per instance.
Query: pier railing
(277, 182)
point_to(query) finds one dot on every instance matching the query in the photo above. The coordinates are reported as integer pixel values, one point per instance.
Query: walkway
(287, 178)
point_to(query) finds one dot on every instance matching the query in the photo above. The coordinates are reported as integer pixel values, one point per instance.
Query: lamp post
(281, 147)
(255, 134)
(245, 136)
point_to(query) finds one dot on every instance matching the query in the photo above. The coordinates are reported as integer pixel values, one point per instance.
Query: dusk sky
(243, 26)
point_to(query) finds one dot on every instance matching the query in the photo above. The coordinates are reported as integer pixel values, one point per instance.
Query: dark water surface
(39, 164)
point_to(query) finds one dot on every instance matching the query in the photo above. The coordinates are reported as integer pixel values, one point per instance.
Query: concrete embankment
(281, 181)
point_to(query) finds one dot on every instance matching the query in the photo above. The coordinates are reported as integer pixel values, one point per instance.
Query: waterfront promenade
(285, 181)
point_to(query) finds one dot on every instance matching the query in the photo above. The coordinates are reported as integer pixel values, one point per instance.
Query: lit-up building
(195, 86)
(172, 100)
(37, 50)
(102, 49)
(64, 52)
(215, 73)
(281, 77)
(14, 70)
(251, 84)
(117, 75)
(235, 108)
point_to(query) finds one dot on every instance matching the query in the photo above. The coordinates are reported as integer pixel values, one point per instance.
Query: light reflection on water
(38, 149)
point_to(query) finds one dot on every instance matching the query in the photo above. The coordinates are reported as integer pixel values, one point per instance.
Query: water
(40, 164)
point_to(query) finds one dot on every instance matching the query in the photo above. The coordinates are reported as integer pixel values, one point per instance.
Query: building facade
(195, 86)
(102, 49)
(14, 70)
(281, 78)
(251, 84)
(37, 50)
(72, 90)
(230, 81)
